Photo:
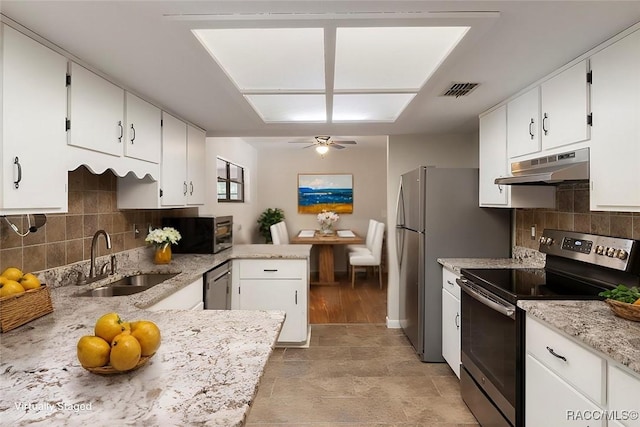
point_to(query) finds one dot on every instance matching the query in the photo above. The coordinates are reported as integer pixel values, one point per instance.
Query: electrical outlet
(136, 231)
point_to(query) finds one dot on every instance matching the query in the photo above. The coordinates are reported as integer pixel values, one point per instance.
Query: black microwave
(203, 234)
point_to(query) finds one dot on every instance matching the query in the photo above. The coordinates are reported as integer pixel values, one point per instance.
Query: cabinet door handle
(121, 131)
(544, 124)
(191, 188)
(500, 188)
(531, 129)
(133, 138)
(270, 270)
(457, 320)
(184, 186)
(550, 350)
(296, 297)
(17, 170)
(450, 282)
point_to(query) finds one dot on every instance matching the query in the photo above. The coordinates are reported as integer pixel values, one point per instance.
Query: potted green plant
(267, 219)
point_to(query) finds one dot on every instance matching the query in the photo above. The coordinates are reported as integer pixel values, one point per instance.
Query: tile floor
(357, 375)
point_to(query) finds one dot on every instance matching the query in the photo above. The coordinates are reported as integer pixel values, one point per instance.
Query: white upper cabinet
(565, 107)
(493, 157)
(96, 112)
(523, 124)
(143, 130)
(182, 181)
(196, 164)
(615, 135)
(494, 164)
(174, 161)
(102, 136)
(33, 175)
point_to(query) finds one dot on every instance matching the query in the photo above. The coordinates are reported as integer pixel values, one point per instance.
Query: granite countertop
(206, 371)
(522, 258)
(593, 324)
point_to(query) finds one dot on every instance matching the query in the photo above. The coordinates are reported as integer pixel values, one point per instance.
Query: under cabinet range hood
(549, 170)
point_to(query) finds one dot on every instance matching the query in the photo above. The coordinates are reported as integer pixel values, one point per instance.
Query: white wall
(407, 152)
(236, 151)
(278, 170)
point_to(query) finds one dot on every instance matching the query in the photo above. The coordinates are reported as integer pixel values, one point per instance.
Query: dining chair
(279, 233)
(369, 259)
(368, 239)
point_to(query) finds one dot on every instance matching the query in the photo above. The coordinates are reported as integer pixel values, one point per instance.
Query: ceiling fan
(323, 143)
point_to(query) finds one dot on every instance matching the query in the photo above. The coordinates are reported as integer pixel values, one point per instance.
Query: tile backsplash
(66, 238)
(572, 214)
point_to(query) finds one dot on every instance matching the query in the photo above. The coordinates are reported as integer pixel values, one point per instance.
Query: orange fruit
(110, 325)
(9, 287)
(93, 351)
(125, 352)
(148, 335)
(12, 273)
(30, 281)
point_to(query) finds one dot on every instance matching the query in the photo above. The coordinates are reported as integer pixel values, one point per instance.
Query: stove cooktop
(516, 284)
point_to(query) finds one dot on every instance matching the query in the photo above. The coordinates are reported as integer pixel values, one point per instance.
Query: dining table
(326, 243)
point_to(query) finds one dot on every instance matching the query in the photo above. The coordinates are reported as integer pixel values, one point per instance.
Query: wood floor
(366, 303)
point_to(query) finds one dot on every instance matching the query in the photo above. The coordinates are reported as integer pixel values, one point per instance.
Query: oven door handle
(506, 310)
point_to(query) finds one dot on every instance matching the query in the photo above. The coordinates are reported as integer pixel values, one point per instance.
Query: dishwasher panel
(217, 291)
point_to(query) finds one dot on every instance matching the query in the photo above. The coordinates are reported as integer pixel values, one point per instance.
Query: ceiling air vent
(460, 89)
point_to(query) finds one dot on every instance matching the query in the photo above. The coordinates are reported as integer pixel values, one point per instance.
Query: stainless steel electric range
(578, 266)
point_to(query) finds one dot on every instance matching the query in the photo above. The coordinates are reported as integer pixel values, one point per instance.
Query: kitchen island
(205, 372)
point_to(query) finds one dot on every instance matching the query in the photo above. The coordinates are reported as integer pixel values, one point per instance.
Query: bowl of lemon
(118, 346)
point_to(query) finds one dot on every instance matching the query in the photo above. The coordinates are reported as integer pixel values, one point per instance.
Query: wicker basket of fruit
(22, 299)
(118, 346)
(624, 302)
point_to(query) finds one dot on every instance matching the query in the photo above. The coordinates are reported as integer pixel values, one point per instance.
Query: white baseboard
(393, 324)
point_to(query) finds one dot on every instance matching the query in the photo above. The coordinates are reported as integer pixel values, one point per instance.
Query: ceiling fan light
(322, 149)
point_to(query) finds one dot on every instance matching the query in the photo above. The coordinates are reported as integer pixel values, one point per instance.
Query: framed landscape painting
(331, 192)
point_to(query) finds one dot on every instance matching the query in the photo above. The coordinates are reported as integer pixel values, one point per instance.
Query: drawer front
(569, 360)
(449, 282)
(273, 269)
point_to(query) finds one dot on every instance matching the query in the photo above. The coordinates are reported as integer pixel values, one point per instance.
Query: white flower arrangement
(163, 236)
(327, 218)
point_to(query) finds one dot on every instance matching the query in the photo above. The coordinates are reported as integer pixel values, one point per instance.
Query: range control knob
(610, 252)
(542, 240)
(600, 250)
(548, 241)
(622, 254)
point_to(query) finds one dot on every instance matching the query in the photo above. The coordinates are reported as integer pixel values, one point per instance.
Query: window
(230, 182)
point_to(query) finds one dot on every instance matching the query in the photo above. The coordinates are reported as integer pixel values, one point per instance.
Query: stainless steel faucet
(94, 241)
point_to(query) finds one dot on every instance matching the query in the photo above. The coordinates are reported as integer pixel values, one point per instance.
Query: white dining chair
(279, 233)
(368, 239)
(372, 258)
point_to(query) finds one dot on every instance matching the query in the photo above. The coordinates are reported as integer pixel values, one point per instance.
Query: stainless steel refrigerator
(438, 217)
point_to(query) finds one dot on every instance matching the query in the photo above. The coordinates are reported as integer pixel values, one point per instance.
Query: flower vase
(163, 254)
(326, 228)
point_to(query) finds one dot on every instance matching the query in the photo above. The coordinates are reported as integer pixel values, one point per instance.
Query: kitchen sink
(128, 285)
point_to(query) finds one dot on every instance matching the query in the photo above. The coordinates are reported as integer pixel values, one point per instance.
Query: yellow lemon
(637, 302)
(12, 273)
(110, 325)
(148, 335)
(125, 352)
(10, 287)
(93, 351)
(30, 281)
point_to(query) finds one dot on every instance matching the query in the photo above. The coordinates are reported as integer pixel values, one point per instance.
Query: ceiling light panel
(387, 58)
(379, 107)
(289, 108)
(268, 59)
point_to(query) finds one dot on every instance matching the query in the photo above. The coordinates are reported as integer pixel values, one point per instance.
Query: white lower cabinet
(623, 389)
(188, 298)
(274, 284)
(570, 384)
(550, 401)
(451, 320)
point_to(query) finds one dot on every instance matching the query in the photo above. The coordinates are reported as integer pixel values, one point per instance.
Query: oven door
(489, 355)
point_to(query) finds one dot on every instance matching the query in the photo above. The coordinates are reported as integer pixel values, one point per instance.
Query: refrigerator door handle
(400, 225)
